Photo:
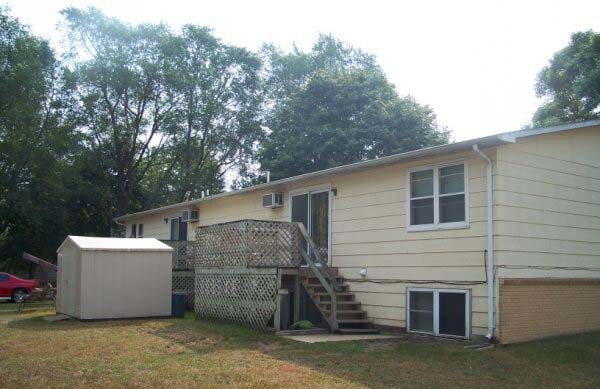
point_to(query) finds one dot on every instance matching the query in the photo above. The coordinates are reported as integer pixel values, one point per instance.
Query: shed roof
(92, 243)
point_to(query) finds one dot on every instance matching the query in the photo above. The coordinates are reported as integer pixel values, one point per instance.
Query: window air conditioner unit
(189, 216)
(272, 200)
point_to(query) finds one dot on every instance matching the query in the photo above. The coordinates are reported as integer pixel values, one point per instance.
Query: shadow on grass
(37, 322)
(408, 360)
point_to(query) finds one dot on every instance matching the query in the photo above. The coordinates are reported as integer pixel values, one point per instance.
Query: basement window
(437, 197)
(443, 312)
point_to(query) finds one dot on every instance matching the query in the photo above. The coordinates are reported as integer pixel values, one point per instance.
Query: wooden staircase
(330, 293)
(349, 317)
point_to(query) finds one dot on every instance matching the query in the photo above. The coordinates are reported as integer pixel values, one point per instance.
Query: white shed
(109, 278)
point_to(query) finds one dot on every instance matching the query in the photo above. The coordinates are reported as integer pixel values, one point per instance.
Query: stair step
(347, 314)
(354, 321)
(345, 311)
(320, 289)
(326, 298)
(318, 283)
(340, 305)
(358, 330)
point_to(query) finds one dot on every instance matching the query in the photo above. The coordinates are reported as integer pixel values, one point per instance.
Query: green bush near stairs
(302, 325)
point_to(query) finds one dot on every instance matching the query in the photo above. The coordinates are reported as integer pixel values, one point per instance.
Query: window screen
(267, 200)
(174, 229)
(183, 227)
(452, 314)
(421, 194)
(421, 311)
(452, 194)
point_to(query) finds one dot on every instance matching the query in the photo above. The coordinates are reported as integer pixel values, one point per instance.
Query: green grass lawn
(189, 352)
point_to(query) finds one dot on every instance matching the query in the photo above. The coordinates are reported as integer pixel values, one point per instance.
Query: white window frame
(140, 234)
(436, 225)
(436, 310)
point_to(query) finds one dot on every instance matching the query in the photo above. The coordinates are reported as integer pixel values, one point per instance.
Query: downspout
(490, 243)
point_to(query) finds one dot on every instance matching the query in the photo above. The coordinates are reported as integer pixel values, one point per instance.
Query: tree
(36, 143)
(216, 118)
(126, 104)
(334, 106)
(571, 83)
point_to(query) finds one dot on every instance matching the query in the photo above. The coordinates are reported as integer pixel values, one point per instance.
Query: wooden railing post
(334, 311)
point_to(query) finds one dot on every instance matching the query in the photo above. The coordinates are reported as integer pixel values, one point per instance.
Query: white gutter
(490, 243)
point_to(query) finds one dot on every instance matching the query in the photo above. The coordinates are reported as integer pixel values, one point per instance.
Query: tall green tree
(216, 120)
(570, 85)
(126, 103)
(334, 106)
(36, 143)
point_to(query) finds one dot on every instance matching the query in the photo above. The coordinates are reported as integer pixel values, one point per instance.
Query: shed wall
(68, 299)
(125, 284)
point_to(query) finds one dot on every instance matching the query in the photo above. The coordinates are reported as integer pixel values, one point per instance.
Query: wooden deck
(244, 270)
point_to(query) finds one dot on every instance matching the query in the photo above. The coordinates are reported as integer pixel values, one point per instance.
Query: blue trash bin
(178, 304)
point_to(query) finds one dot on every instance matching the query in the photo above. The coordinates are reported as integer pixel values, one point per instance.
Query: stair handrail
(332, 287)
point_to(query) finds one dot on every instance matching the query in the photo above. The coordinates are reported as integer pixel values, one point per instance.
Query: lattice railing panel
(183, 253)
(183, 281)
(242, 295)
(251, 243)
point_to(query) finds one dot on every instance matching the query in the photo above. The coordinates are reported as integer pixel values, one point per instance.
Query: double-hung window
(438, 197)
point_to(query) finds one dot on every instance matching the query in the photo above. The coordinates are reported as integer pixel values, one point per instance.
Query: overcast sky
(473, 62)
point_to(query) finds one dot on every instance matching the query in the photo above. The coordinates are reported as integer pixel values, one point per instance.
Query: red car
(15, 288)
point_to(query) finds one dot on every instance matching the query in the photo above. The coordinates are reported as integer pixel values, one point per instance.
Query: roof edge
(487, 141)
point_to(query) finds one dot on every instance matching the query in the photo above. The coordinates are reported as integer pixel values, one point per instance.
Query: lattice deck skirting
(239, 294)
(183, 281)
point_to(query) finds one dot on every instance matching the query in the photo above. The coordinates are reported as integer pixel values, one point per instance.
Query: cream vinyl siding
(243, 206)
(369, 230)
(155, 226)
(547, 206)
